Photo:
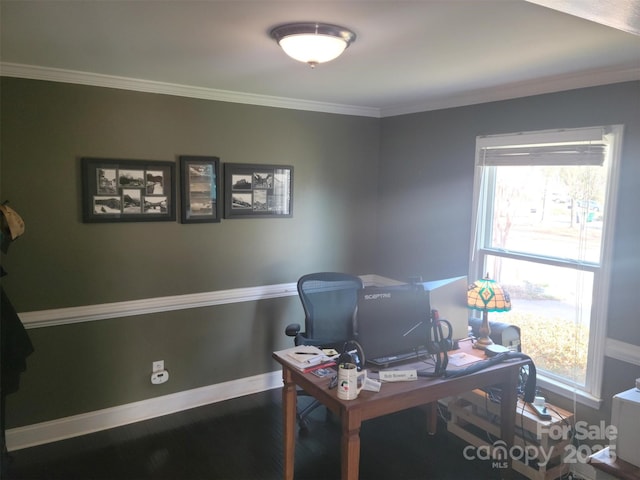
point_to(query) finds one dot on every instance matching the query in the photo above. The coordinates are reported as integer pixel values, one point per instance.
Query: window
(544, 204)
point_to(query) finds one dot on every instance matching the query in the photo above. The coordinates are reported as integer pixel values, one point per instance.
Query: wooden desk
(393, 397)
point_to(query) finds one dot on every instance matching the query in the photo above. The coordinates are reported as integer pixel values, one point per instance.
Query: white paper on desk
(307, 355)
(461, 359)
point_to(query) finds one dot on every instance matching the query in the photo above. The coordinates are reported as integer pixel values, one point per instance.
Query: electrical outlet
(159, 377)
(157, 366)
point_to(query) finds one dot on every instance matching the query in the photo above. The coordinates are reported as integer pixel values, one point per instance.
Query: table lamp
(487, 296)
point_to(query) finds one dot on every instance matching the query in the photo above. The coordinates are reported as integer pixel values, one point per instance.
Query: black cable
(529, 390)
(564, 419)
(522, 430)
(429, 360)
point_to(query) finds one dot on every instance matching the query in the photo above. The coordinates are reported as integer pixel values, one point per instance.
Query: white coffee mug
(350, 381)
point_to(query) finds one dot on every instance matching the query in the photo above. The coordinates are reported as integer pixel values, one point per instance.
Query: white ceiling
(409, 56)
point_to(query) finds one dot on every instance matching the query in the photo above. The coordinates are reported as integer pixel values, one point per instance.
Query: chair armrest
(292, 329)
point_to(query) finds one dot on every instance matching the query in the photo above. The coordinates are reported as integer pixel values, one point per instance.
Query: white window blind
(554, 148)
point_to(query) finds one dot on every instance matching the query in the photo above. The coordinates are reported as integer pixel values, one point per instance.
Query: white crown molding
(90, 313)
(76, 425)
(503, 92)
(561, 83)
(35, 72)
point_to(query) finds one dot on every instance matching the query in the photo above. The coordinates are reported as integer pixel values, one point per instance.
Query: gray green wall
(388, 196)
(426, 192)
(62, 262)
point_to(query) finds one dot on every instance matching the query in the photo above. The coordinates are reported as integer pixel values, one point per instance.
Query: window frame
(589, 393)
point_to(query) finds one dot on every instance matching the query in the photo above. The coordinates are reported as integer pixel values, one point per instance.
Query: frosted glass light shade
(313, 43)
(312, 48)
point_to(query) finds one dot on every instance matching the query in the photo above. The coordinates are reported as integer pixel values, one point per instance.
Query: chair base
(303, 414)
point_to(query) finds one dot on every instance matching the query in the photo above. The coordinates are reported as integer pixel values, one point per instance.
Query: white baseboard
(76, 425)
(82, 424)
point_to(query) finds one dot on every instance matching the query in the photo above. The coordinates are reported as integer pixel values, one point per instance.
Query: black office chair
(330, 301)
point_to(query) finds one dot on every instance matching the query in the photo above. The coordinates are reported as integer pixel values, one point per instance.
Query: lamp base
(482, 343)
(483, 340)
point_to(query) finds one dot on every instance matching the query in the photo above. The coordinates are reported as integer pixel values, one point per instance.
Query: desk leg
(350, 464)
(289, 423)
(431, 410)
(508, 405)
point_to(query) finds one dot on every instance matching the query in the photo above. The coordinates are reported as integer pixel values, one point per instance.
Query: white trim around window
(509, 150)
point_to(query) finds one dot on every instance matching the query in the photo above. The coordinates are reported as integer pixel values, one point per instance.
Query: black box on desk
(503, 334)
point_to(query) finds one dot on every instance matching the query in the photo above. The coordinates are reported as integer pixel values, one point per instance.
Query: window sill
(572, 393)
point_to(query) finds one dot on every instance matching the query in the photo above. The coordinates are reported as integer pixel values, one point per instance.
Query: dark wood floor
(242, 439)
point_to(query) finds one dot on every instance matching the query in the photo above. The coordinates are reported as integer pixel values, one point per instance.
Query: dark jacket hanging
(16, 346)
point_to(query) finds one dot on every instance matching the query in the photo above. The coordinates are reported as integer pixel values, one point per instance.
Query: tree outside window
(542, 230)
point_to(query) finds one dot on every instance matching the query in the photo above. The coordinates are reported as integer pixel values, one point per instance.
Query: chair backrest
(330, 301)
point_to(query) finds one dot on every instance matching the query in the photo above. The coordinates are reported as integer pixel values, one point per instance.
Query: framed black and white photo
(258, 191)
(116, 190)
(200, 187)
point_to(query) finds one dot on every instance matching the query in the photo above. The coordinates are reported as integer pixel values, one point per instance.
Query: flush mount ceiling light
(313, 43)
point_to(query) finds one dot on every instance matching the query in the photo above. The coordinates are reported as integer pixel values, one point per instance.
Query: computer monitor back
(449, 297)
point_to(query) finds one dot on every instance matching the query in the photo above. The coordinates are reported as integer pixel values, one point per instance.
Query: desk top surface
(395, 396)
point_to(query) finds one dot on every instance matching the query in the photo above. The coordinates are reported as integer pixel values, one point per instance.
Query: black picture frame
(258, 191)
(200, 200)
(121, 190)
